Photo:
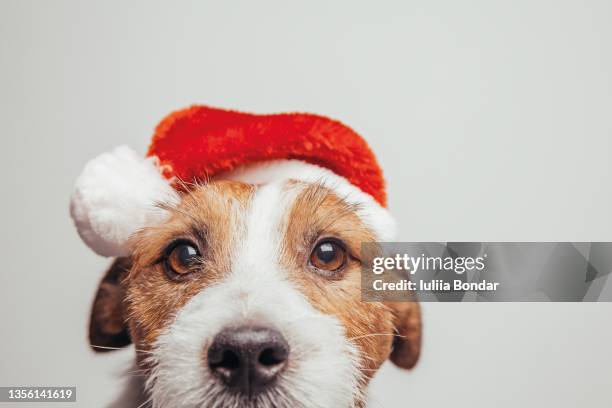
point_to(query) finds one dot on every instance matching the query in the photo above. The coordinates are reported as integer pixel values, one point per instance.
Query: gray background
(492, 121)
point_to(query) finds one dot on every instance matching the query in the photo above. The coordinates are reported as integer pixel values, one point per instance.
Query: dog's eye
(181, 258)
(329, 256)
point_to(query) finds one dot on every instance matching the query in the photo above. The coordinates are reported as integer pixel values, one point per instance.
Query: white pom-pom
(116, 195)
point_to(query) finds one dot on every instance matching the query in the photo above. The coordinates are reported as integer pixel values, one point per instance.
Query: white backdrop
(492, 121)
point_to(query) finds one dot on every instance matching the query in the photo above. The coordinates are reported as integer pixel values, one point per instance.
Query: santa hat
(118, 193)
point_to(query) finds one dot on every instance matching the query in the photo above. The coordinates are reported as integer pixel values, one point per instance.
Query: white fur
(115, 195)
(376, 217)
(323, 369)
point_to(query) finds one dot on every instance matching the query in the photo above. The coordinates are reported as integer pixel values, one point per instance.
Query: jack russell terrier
(237, 246)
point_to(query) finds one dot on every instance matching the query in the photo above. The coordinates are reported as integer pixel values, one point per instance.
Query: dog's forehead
(269, 223)
(276, 203)
(235, 218)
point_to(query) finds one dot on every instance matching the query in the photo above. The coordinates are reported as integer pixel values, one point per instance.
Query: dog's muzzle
(248, 359)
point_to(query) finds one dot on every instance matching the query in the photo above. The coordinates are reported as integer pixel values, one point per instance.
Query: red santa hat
(117, 192)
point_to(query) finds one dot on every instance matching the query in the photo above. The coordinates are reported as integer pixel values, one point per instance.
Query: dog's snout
(248, 359)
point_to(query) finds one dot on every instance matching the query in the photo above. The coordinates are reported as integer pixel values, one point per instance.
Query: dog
(246, 293)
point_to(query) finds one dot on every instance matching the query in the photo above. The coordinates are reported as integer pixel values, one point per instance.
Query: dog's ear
(407, 343)
(107, 326)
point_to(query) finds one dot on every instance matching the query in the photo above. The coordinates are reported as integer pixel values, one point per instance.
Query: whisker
(147, 401)
(118, 348)
(105, 347)
(376, 334)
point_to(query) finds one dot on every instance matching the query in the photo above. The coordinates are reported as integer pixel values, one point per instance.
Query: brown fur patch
(212, 217)
(318, 213)
(107, 329)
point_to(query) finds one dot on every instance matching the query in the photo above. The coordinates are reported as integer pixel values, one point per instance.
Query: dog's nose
(248, 359)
